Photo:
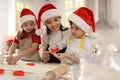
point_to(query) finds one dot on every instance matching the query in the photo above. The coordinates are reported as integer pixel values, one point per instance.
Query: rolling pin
(56, 73)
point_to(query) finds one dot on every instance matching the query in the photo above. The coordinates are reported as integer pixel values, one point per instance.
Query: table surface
(84, 71)
(29, 74)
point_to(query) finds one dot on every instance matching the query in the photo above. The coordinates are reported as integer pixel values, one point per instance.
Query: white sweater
(73, 47)
(53, 38)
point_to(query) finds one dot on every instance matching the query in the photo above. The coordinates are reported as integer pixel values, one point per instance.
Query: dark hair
(70, 22)
(62, 28)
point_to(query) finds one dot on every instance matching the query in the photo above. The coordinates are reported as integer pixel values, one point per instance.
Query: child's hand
(12, 60)
(61, 56)
(54, 49)
(9, 59)
(15, 59)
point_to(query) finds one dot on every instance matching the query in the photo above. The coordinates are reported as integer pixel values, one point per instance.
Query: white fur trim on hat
(80, 22)
(27, 18)
(49, 14)
(38, 32)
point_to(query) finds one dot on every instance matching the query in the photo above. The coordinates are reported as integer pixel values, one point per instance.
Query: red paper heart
(18, 73)
(30, 64)
(1, 71)
(54, 50)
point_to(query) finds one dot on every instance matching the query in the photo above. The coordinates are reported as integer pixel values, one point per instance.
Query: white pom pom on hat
(38, 31)
(93, 35)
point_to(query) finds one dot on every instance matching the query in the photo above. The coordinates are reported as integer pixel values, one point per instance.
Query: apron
(51, 41)
(25, 44)
(78, 45)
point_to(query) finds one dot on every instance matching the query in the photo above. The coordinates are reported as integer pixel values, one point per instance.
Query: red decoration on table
(18, 73)
(8, 43)
(30, 64)
(54, 50)
(1, 71)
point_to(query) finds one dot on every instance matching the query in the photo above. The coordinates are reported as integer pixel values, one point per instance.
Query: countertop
(84, 71)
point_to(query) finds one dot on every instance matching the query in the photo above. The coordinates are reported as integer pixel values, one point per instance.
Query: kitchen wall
(3, 20)
(7, 14)
(113, 12)
(38, 3)
(108, 36)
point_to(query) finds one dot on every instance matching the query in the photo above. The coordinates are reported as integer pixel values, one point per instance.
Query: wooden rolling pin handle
(58, 72)
(48, 77)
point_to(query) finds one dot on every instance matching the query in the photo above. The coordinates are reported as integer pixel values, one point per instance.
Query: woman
(55, 32)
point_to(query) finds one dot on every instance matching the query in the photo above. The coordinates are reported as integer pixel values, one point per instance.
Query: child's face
(76, 31)
(28, 26)
(53, 23)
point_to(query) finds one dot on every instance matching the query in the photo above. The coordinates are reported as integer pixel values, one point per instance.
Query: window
(70, 6)
(79, 3)
(11, 19)
(19, 7)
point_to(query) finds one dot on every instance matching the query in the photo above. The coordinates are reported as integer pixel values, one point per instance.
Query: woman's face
(53, 23)
(76, 31)
(28, 26)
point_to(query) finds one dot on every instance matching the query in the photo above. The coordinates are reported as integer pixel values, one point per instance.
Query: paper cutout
(1, 71)
(18, 73)
(30, 64)
(37, 69)
(54, 50)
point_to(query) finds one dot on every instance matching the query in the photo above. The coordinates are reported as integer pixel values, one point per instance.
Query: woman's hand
(45, 56)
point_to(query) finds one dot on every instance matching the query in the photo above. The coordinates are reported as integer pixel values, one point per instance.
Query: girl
(77, 42)
(26, 40)
(55, 32)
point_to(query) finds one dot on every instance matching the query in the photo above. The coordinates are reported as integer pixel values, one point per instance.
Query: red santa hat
(84, 18)
(47, 11)
(27, 15)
